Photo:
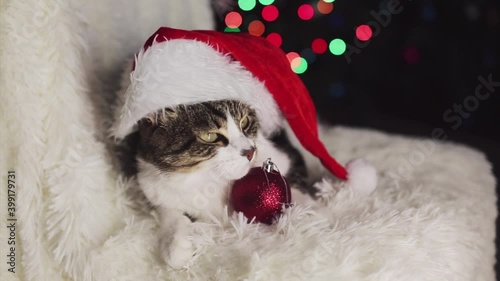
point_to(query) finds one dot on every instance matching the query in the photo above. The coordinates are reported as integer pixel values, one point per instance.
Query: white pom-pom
(361, 176)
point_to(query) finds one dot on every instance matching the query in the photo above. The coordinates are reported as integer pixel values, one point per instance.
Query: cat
(187, 157)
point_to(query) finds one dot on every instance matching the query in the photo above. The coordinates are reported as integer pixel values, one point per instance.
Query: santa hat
(185, 67)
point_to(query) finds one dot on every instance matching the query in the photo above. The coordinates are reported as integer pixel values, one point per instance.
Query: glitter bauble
(261, 194)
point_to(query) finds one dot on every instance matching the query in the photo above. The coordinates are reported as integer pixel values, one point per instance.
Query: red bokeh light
(275, 39)
(291, 56)
(270, 13)
(305, 11)
(319, 45)
(364, 32)
(411, 55)
(256, 28)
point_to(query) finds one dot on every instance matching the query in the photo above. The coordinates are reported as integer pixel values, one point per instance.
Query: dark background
(422, 63)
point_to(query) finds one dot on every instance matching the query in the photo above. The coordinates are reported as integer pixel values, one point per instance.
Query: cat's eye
(245, 121)
(208, 137)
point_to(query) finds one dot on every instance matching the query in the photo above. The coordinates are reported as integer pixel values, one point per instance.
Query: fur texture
(431, 219)
(172, 139)
(183, 71)
(187, 178)
(50, 52)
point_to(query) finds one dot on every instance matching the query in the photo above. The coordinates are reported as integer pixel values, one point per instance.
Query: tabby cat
(187, 157)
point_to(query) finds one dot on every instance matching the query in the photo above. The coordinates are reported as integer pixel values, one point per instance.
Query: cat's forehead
(201, 117)
(228, 107)
(212, 110)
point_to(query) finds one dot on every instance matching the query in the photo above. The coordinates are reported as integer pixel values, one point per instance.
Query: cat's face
(218, 135)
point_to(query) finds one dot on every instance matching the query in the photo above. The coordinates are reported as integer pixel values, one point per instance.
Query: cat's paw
(177, 252)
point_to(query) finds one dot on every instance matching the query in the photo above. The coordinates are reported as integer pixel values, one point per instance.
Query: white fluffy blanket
(431, 217)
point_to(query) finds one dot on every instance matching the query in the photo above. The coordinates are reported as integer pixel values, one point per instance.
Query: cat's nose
(248, 153)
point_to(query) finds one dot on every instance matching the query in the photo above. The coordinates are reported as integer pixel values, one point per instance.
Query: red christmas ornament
(261, 193)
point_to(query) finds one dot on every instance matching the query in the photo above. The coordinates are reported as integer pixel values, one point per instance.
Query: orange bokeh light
(256, 28)
(233, 20)
(324, 7)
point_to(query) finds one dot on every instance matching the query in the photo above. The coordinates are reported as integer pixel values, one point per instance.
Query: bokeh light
(299, 65)
(275, 39)
(364, 32)
(270, 13)
(324, 7)
(337, 90)
(296, 62)
(336, 20)
(428, 12)
(291, 56)
(233, 20)
(229, 29)
(411, 55)
(256, 28)
(337, 46)
(247, 5)
(319, 46)
(329, 1)
(472, 12)
(308, 55)
(492, 17)
(489, 59)
(266, 2)
(305, 12)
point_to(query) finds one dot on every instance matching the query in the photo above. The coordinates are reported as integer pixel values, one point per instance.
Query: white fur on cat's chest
(196, 194)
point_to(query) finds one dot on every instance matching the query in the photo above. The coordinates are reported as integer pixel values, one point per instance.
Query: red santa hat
(185, 67)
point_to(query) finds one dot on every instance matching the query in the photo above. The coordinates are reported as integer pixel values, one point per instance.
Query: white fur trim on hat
(180, 71)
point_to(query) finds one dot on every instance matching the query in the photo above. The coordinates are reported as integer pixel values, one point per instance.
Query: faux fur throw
(431, 218)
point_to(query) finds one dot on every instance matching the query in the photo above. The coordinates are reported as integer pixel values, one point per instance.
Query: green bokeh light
(302, 67)
(266, 2)
(328, 1)
(247, 5)
(337, 47)
(229, 29)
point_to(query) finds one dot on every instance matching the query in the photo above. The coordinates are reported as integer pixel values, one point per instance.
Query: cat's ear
(148, 124)
(167, 113)
(152, 119)
(156, 118)
(162, 116)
